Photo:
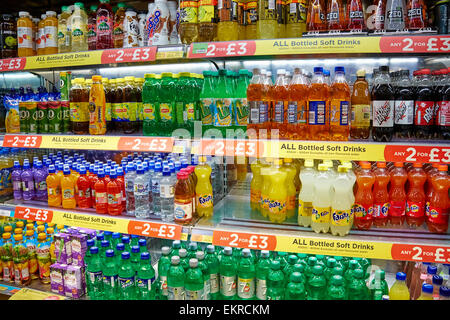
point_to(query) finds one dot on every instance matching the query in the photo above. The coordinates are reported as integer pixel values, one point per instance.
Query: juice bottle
(105, 20)
(296, 18)
(254, 98)
(427, 292)
(30, 242)
(305, 197)
(53, 188)
(101, 198)
(355, 16)
(92, 28)
(24, 35)
(166, 105)
(280, 97)
(118, 31)
(84, 189)
(316, 18)
(439, 202)
(78, 22)
(266, 106)
(341, 205)
(8, 36)
(277, 193)
(297, 107)
(92, 180)
(203, 189)
(397, 194)
(68, 190)
(117, 106)
(51, 33)
(399, 290)
(335, 15)
(363, 207)
(255, 186)
(207, 20)
(360, 101)
(182, 199)
(266, 26)
(265, 188)
(35, 22)
(227, 26)
(320, 215)
(318, 115)
(44, 259)
(188, 21)
(6, 257)
(114, 192)
(20, 259)
(415, 198)
(79, 112)
(291, 204)
(97, 107)
(64, 42)
(251, 18)
(339, 106)
(40, 37)
(381, 195)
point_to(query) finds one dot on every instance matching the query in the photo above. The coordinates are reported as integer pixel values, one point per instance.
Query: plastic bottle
(262, 270)
(79, 107)
(43, 256)
(360, 110)
(339, 106)
(166, 106)
(104, 21)
(395, 15)
(212, 262)
(378, 286)
(363, 207)
(203, 189)
(207, 21)
(399, 290)
(415, 201)
(8, 36)
(341, 216)
(24, 35)
(110, 276)
(246, 276)
(183, 210)
(397, 194)
(51, 33)
(167, 193)
(227, 26)
(97, 107)
(305, 198)
(17, 182)
(266, 25)
(316, 18)
(101, 195)
(318, 106)
(84, 190)
(118, 29)
(28, 190)
(383, 106)
(114, 193)
(424, 115)
(78, 22)
(381, 195)
(297, 106)
(335, 15)
(255, 186)
(438, 209)
(92, 28)
(126, 278)
(156, 179)
(145, 278)
(94, 275)
(130, 176)
(357, 289)
(64, 42)
(427, 292)
(320, 215)
(163, 267)
(227, 271)
(176, 280)
(275, 282)
(141, 189)
(355, 16)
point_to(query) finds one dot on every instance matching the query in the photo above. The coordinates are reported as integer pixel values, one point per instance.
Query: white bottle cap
(23, 14)
(281, 71)
(50, 13)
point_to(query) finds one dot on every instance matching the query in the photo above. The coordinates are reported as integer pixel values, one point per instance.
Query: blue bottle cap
(444, 291)
(326, 73)
(109, 253)
(318, 70)
(125, 255)
(432, 269)
(158, 167)
(427, 288)
(105, 243)
(134, 236)
(142, 242)
(107, 233)
(125, 239)
(16, 164)
(140, 169)
(94, 250)
(339, 69)
(437, 280)
(166, 171)
(400, 276)
(51, 169)
(135, 249)
(100, 173)
(90, 242)
(120, 247)
(116, 235)
(145, 256)
(82, 169)
(100, 237)
(113, 174)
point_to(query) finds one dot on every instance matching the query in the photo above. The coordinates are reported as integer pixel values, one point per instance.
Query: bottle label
(165, 112)
(110, 280)
(125, 283)
(79, 111)
(241, 112)
(51, 36)
(297, 11)
(104, 25)
(404, 112)
(263, 112)
(182, 211)
(333, 16)
(176, 293)
(424, 113)
(395, 15)
(100, 198)
(204, 200)
(222, 112)
(24, 37)
(339, 112)
(305, 208)
(316, 112)
(443, 114)
(118, 30)
(40, 40)
(363, 211)
(228, 10)
(206, 11)
(227, 286)
(163, 282)
(254, 112)
(251, 13)
(148, 111)
(361, 115)
(255, 195)
(68, 193)
(92, 32)
(108, 113)
(207, 290)
(129, 111)
(397, 208)
(117, 112)
(246, 288)
(145, 284)
(167, 191)
(341, 218)
(206, 111)
(77, 35)
(188, 12)
(278, 111)
(437, 215)
(95, 278)
(381, 210)
(114, 198)
(189, 110)
(264, 201)
(261, 289)
(140, 188)
(194, 294)
(214, 282)
(40, 185)
(17, 185)
(84, 193)
(383, 113)
(277, 207)
(292, 201)
(415, 209)
(292, 112)
(320, 214)
(268, 11)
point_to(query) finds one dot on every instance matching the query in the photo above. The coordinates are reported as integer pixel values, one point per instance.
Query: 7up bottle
(246, 276)
(227, 270)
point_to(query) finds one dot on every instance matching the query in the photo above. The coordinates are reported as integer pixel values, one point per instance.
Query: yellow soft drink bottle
(320, 216)
(399, 290)
(266, 26)
(97, 107)
(203, 189)
(53, 187)
(255, 186)
(278, 194)
(296, 18)
(291, 190)
(265, 174)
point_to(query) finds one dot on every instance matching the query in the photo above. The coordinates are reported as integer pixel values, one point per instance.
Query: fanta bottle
(430, 171)
(318, 115)
(316, 18)
(279, 95)
(297, 108)
(291, 190)
(84, 189)
(339, 106)
(68, 190)
(341, 216)
(277, 193)
(101, 199)
(397, 195)
(255, 186)
(381, 195)
(203, 189)
(320, 216)
(439, 202)
(415, 199)
(305, 197)
(363, 207)
(114, 194)
(92, 180)
(53, 188)
(265, 174)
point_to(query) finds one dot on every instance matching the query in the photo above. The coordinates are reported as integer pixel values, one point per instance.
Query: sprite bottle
(212, 261)
(94, 275)
(336, 289)
(115, 239)
(145, 278)
(357, 289)
(120, 247)
(127, 287)
(300, 268)
(262, 270)
(135, 258)
(194, 282)
(246, 273)
(275, 281)
(331, 263)
(227, 270)
(206, 278)
(352, 266)
(192, 250)
(340, 262)
(176, 280)
(142, 245)
(378, 286)
(317, 284)
(302, 258)
(295, 289)
(311, 262)
(163, 268)
(110, 276)
(184, 259)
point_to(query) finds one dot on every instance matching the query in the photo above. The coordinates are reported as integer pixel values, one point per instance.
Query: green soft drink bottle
(134, 240)
(378, 284)
(194, 282)
(262, 270)
(110, 276)
(182, 89)
(302, 258)
(107, 235)
(241, 107)
(275, 281)
(295, 289)
(120, 247)
(87, 257)
(336, 289)
(94, 275)
(331, 263)
(227, 270)
(321, 260)
(176, 246)
(317, 284)
(212, 261)
(200, 255)
(103, 247)
(115, 239)
(145, 278)
(163, 268)
(207, 100)
(176, 280)
(340, 262)
(135, 258)
(142, 245)
(352, 266)
(223, 110)
(150, 97)
(288, 268)
(300, 268)
(311, 262)
(184, 261)
(126, 243)
(237, 255)
(338, 271)
(357, 289)
(192, 249)
(126, 279)
(282, 257)
(166, 105)
(246, 273)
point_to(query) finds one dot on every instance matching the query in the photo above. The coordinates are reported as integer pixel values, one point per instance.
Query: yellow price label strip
(80, 142)
(64, 60)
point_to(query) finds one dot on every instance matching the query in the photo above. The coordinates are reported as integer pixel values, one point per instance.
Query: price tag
(129, 55)
(222, 49)
(33, 214)
(157, 144)
(155, 230)
(249, 148)
(423, 154)
(6, 213)
(415, 44)
(412, 252)
(244, 240)
(13, 64)
(170, 53)
(22, 141)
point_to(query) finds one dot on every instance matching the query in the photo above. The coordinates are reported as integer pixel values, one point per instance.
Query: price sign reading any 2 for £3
(33, 214)
(222, 49)
(22, 141)
(231, 147)
(244, 240)
(411, 252)
(418, 44)
(424, 154)
(145, 144)
(129, 55)
(14, 64)
(155, 230)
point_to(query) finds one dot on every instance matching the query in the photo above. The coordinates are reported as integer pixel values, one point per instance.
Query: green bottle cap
(223, 72)
(121, 5)
(353, 264)
(312, 261)
(292, 259)
(337, 271)
(299, 267)
(358, 274)
(296, 277)
(302, 256)
(331, 263)
(282, 254)
(104, 1)
(317, 270)
(275, 265)
(64, 8)
(79, 5)
(337, 280)
(243, 72)
(93, 8)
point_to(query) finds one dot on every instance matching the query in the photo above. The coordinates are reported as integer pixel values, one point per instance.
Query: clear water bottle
(167, 195)
(141, 190)
(156, 189)
(130, 176)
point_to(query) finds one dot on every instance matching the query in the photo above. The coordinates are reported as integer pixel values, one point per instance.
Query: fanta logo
(434, 213)
(414, 208)
(360, 211)
(384, 209)
(205, 199)
(340, 215)
(276, 204)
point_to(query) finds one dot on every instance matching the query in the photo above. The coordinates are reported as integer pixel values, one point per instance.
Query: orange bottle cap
(398, 164)
(381, 164)
(18, 230)
(18, 237)
(442, 167)
(365, 165)
(435, 165)
(417, 165)
(96, 78)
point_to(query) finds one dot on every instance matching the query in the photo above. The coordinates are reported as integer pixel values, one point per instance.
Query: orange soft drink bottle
(254, 98)
(397, 194)
(114, 195)
(316, 18)
(415, 199)
(432, 170)
(363, 207)
(280, 96)
(439, 202)
(53, 187)
(355, 15)
(101, 199)
(121, 181)
(318, 120)
(381, 195)
(297, 107)
(68, 190)
(84, 189)
(335, 15)
(339, 106)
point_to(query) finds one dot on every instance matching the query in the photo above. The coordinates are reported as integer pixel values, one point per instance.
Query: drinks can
(54, 117)
(42, 116)
(64, 84)
(131, 29)
(24, 116)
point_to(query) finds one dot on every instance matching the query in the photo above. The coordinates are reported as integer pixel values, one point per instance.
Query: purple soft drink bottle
(40, 184)
(27, 181)
(17, 181)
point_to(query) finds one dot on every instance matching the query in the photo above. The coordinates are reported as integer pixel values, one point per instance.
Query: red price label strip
(155, 230)
(145, 144)
(14, 64)
(244, 240)
(429, 44)
(33, 214)
(19, 141)
(222, 49)
(411, 252)
(129, 55)
(249, 148)
(423, 154)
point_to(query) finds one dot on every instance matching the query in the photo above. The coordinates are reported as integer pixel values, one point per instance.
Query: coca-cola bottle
(424, 106)
(443, 107)
(383, 107)
(416, 17)
(404, 107)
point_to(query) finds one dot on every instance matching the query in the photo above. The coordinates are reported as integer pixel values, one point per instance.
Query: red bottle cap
(417, 165)
(435, 165)
(426, 71)
(181, 175)
(443, 71)
(398, 164)
(381, 164)
(442, 167)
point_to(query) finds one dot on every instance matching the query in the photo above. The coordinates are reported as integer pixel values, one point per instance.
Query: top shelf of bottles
(310, 45)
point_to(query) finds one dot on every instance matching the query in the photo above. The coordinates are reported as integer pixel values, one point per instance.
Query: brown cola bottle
(424, 124)
(383, 99)
(404, 107)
